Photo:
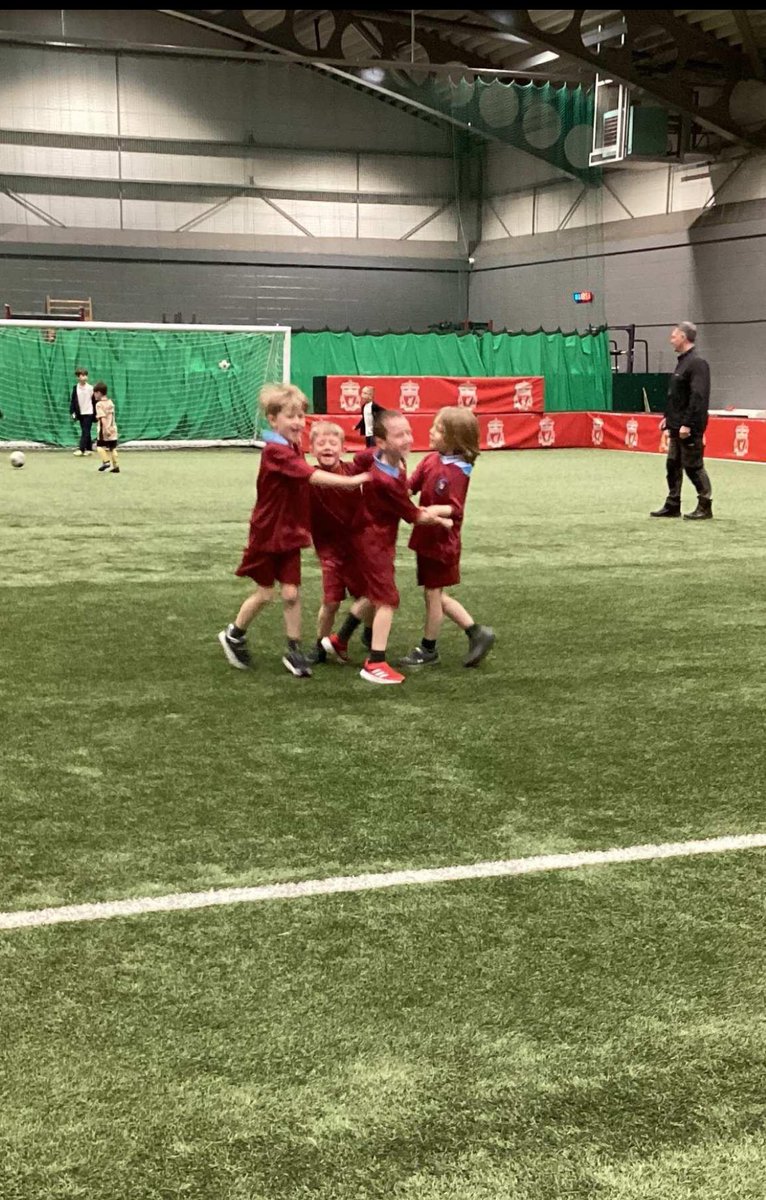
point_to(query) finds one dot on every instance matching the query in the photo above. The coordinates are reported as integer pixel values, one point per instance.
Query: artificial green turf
(597, 1033)
(622, 704)
(577, 1034)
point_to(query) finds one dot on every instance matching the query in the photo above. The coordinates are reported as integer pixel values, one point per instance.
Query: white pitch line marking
(336, 885)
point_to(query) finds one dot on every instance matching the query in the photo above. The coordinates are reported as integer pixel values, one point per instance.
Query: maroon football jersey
(281, 518)
(439, 482)
(386, 501)
(335, 514)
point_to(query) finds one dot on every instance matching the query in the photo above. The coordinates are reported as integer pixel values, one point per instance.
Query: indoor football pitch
(590, 1032)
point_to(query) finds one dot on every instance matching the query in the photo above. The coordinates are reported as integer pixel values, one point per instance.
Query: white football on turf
(224, 364)
(17, 459)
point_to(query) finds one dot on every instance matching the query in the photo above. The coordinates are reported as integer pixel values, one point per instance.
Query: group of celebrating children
(354, 534)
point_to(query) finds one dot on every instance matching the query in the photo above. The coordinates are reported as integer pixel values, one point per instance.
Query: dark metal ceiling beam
(748, 41)
(673, 90)
(104, 46)
(426, 20)
(284, 43)
(282, 39)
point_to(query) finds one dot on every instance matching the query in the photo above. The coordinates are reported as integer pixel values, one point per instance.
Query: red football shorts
(340, 574)
(268, 569)
(433, 573)
(376, 558)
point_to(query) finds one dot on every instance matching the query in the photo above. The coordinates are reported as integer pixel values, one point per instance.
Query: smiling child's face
(289, 423)
(327, 448)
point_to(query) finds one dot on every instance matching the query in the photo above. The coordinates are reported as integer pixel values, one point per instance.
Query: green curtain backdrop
(576, 366)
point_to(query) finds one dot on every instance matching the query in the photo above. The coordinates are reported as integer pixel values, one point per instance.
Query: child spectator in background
(335, 516)
(366, 426)
(81, 408)
(386, 503)
(370, 410)
(280, 526)
(442, 478)
(106, 443)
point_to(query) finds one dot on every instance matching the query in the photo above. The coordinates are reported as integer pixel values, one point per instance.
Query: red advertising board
(742, 439)
(739, 439)
(428, 393)
(503, 431)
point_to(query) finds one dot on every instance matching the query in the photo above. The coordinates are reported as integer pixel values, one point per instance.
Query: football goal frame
(18, 428)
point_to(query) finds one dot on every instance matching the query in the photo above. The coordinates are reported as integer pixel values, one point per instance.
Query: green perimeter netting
(167, 384)
(576, 366)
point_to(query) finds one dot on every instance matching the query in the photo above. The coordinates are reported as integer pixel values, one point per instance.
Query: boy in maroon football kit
(386, 503)
(335, 517)
(279, 526)
(442, 478)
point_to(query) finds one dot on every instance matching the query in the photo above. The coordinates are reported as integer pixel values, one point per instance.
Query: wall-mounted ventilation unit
(624, 131)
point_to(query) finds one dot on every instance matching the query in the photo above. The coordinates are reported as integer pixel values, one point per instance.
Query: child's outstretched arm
(322, 478)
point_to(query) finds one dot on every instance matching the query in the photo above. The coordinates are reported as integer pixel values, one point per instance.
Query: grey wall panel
(269, 104)
(314, 296)
(713, 277)
(720, 286)
(534, 295)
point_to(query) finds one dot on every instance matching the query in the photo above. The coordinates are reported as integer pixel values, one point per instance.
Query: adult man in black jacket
(686, 420)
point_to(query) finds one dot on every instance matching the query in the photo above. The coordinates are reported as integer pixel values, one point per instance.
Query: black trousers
(687, 454)
(86, 434)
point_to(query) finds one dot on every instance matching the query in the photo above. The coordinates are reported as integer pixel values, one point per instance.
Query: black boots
(703, 511)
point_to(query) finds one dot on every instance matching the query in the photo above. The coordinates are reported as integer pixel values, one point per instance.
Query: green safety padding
(576, 366)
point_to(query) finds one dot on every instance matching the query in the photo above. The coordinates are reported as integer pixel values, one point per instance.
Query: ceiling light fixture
(372, 74)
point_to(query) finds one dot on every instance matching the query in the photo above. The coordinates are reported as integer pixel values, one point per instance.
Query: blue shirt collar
(385, 467)
(271, 436)
(456, 461)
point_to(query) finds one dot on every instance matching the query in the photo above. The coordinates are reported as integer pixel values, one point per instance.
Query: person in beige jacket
(107, 429)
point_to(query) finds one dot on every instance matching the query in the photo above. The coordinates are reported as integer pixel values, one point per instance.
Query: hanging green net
(175, 386)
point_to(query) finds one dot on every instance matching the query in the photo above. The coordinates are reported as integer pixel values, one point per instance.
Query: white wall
(217, 125)
(523, 196)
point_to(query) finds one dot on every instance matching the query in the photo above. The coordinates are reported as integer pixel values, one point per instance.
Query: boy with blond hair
(336, 516)
(280, 526)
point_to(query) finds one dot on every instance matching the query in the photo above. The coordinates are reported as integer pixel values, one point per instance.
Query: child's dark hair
(100, 387)
(380, 423)
(81, 371)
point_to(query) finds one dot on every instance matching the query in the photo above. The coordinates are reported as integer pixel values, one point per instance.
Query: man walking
(686, 420)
